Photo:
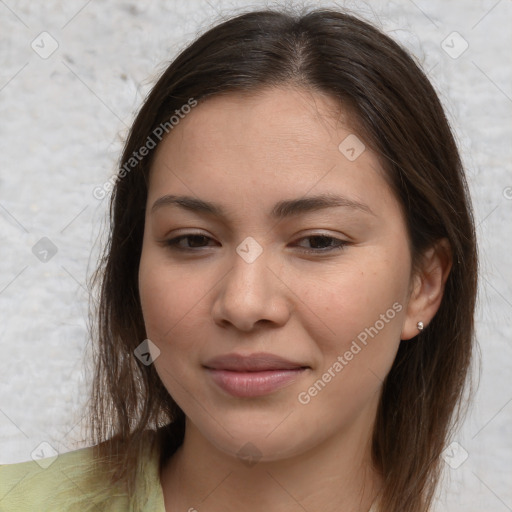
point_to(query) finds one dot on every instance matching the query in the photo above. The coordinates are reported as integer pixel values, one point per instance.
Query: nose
(251, 294)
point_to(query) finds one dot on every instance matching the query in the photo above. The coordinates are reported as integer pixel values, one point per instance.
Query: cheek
(168, 295)
(361, 313)
(350, 301)
(358, 317)
(170, 305)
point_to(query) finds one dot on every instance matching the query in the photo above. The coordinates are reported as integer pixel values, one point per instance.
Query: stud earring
(420, 326)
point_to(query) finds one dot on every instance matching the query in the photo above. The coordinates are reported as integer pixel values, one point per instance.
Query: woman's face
(313, 299)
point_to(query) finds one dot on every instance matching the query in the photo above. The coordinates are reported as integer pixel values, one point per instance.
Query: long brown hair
(399, 116)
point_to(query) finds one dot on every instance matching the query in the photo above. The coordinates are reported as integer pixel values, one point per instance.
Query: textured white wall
(62, 121)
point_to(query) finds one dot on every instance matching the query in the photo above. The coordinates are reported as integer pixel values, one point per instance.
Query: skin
(247, 153)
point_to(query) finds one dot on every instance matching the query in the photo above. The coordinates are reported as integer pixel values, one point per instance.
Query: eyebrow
(281, 210)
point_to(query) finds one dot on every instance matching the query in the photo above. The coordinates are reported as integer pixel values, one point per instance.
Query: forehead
(278, 142)
(285, 118)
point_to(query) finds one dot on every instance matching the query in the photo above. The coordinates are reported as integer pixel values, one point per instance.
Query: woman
(287, 298)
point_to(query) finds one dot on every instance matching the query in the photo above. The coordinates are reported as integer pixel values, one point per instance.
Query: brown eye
(324, 243)
(194, 242)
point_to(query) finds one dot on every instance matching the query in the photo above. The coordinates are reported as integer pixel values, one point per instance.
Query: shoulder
(65, 483)
(78, 481)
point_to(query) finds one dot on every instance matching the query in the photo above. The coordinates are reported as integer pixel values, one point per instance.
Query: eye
(326, 243)
(196, 239)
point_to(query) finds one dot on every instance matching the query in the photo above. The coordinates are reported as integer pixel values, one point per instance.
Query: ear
(427, 288)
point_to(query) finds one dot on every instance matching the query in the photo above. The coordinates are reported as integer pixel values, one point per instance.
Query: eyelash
(173, 243)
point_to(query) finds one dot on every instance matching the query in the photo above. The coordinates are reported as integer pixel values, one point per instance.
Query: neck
(336, 475)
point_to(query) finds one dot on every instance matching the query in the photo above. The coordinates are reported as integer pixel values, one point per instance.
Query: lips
(251, 363)
(254, 375)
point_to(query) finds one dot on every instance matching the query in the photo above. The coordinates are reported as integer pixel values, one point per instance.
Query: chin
(264, 441)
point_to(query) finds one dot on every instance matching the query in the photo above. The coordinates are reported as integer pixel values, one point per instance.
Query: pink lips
(254, 375)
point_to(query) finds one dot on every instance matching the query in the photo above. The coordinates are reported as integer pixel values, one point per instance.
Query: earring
(419, 325)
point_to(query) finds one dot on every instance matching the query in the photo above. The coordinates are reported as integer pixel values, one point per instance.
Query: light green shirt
(29, 487)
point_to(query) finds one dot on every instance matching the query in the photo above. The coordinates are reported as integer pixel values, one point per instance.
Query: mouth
(253, 375)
